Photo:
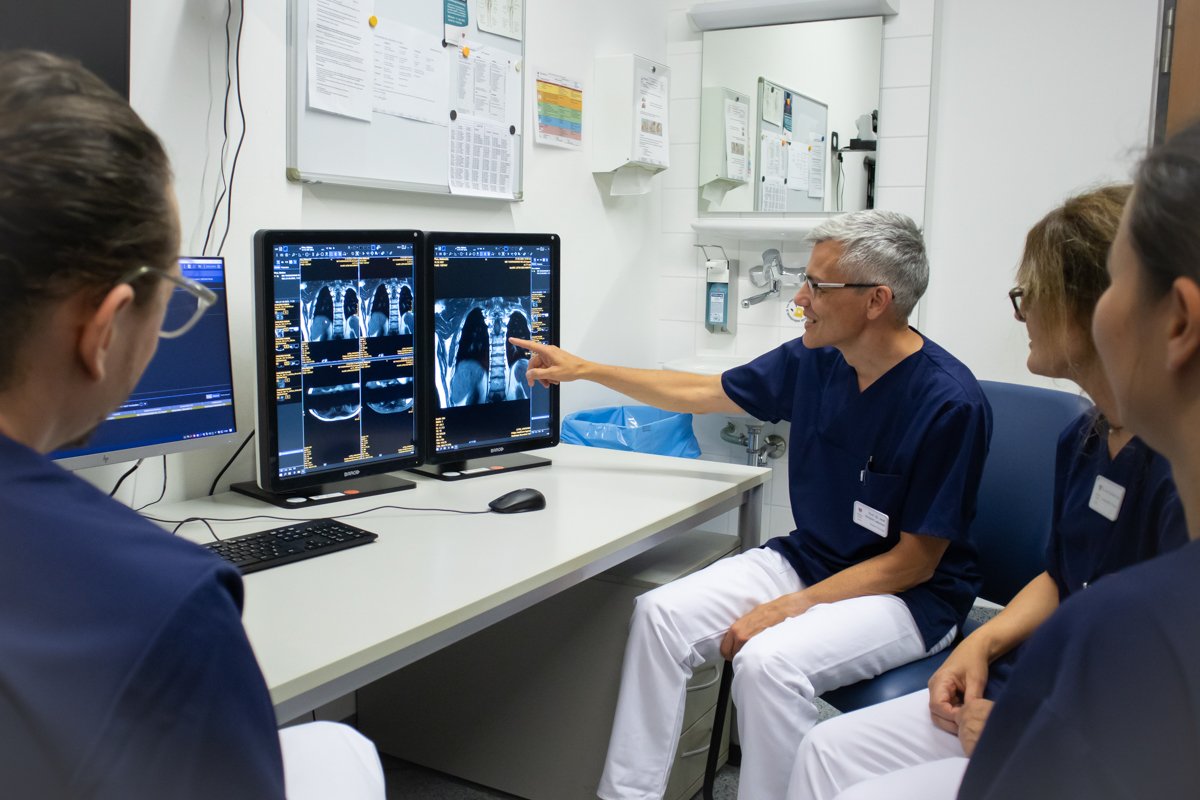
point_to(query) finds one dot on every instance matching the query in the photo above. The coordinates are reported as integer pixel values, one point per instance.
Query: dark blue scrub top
(911, 446)
(1084, 545)
(1105, 703)
(124, 668)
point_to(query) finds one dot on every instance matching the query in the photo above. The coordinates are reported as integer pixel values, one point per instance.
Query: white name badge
(874, 521)
(1107, 498)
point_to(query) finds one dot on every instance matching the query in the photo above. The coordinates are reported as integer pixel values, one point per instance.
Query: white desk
(324, 627)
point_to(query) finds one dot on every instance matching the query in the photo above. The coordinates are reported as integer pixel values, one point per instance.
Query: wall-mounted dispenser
(629, 133)
(720, 291)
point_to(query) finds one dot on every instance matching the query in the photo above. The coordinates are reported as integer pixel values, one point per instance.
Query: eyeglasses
(1017, 295)
(189, 300)
(817, 286)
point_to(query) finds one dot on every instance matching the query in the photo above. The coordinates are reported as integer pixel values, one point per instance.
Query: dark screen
(95, 32)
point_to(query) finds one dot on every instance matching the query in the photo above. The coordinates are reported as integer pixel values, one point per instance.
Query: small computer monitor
(184, 399)
(337, 321)
(483, 289)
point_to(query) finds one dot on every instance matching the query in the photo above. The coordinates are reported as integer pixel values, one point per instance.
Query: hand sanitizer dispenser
(720, 291)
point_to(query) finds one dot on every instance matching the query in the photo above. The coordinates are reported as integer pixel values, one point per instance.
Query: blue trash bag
(640, 429)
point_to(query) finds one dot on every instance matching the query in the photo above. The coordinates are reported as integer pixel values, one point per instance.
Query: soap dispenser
(720, 291)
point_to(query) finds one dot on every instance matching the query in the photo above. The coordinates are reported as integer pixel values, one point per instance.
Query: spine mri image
(475, 362)
(350, 310)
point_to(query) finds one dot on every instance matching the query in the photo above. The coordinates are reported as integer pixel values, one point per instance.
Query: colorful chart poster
(559, 114)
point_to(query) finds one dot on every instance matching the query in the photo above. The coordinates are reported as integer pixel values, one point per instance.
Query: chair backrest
(1016, 495)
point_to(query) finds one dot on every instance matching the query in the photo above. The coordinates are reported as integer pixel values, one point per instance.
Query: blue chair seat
(894, 683)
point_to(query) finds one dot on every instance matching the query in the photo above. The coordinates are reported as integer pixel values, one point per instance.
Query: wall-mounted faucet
(767, 274)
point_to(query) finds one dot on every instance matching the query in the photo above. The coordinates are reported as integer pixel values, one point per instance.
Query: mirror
(772, 99)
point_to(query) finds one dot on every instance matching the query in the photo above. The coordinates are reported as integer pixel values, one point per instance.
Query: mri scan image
(352, 309)
(475, 363)
(333, 403)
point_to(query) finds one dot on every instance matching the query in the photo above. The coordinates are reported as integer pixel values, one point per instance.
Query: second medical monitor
(483, 289)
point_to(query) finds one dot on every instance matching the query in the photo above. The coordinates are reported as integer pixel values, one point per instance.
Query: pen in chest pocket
(862, 473)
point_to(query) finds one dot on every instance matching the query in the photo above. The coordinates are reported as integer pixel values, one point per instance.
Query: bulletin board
(791, 150)
(414, 95)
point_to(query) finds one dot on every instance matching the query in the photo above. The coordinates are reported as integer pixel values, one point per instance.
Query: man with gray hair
(888, 438)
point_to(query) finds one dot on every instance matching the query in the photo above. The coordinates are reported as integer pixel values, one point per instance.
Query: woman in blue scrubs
(1106, 701)
(1114, 505)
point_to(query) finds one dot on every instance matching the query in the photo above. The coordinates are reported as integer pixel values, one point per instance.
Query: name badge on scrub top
(874, 521)
(1107, 498)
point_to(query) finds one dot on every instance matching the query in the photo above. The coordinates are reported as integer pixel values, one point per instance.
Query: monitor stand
(478, 467)
(325, 492)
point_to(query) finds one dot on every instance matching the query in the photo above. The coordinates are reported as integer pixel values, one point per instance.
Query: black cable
(225, 131)
(237, 64)
(179, 523)
(212, 489)
(163, 493)
(129, 472)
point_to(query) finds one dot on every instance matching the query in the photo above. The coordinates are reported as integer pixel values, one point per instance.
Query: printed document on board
(799, 159)
(816, 166)
(487, 85)
(341, 69)
(482, 158)
(773, 157)
(501, 17)
(412, 75)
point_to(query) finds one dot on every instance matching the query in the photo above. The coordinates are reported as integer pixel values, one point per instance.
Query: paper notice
(737, 157)
(487, 85)
(799, 158)
(773, 155)
(650, 120)
(772, 195)
(502, 17)
(482, 156)
(341, 67)
(772, 104)
(816, 166)
(559, 111)
(412, 76)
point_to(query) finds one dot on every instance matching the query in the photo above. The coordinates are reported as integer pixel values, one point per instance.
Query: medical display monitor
(483, 289)
(338, 319)
(184, 399)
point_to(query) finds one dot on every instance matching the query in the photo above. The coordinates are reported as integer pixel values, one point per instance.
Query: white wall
(1034, 101)
(610, 246)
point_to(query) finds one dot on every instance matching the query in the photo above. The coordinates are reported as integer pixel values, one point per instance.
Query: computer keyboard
(266, 549)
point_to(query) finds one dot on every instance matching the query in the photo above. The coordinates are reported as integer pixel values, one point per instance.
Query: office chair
(1010, 531)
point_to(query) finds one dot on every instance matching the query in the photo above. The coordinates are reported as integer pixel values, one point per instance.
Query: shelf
(773, 228)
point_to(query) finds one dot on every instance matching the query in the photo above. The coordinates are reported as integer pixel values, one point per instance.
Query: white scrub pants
(326, 760)
(777, 675)
(891, 751)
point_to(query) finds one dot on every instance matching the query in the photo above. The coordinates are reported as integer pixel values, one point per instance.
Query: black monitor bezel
(434, 238)
(267, 420)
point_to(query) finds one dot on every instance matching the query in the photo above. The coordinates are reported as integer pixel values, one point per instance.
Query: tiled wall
(905, 91)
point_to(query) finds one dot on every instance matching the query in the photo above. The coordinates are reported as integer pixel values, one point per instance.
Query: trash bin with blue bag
(640, 429)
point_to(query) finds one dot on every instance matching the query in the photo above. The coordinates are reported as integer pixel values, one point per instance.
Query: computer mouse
(518, 500)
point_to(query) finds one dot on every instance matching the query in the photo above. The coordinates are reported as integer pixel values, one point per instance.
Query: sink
(705, 365)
